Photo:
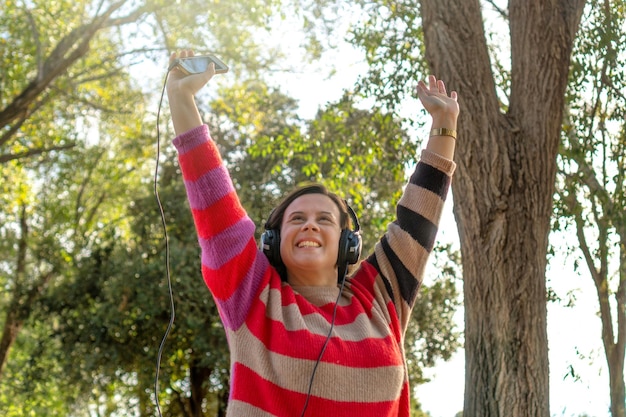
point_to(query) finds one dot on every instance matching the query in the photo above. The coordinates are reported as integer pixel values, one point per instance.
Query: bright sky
(574, 333)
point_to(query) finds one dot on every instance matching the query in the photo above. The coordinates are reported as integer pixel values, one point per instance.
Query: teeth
(308, 244)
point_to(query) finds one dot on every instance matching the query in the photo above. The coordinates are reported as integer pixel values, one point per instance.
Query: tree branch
(502, 12)
(71, 48)
(33, 152)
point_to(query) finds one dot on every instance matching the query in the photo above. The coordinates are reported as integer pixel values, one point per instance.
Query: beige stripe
(292, 318)
(332, 381)
(241, 409)
(422, 201)
(386, 268)
(412, 254)
(435, 160)
(404, 311)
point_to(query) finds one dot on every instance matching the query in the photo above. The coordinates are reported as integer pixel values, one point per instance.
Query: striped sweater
(276, 331)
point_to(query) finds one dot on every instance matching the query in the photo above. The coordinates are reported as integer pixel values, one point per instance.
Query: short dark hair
(275, 219)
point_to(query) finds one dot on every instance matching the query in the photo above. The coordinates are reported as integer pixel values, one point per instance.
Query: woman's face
(309, 240)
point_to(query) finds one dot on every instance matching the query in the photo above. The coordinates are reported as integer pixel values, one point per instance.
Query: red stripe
(366, 275)
(302, 344)
(250, 388)
(345, 313)
(218, 216)
(203, 159)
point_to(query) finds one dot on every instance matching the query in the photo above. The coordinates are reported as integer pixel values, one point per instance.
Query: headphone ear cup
(270, 242)
(349, 247)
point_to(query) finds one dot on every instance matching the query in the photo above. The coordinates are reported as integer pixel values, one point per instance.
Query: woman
(302, 339)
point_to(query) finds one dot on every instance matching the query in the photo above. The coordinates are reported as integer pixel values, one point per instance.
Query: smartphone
(199, 63)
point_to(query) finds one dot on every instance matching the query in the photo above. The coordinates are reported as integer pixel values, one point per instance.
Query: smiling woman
(303, 339)
(308, 237)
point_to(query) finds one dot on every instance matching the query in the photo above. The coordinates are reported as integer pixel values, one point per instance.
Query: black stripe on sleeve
(406, 281)
(432, 179)
(372, 260)
(420, 228)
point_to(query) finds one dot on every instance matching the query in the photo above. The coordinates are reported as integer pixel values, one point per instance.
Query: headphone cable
(167, 252)
(319, 358)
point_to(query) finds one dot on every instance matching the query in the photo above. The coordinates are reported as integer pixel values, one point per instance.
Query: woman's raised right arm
(181, 90)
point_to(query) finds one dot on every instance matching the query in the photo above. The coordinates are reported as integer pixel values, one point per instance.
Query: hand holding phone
(199, 63)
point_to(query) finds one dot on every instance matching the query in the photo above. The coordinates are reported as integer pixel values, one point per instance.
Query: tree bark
(503, 191)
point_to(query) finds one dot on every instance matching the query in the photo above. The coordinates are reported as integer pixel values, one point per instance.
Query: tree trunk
(616, 383)
(503, 191)
(222, 402)
(616, 349)
(11, 329)
(23, 297)
(198, 380)
(12, 322)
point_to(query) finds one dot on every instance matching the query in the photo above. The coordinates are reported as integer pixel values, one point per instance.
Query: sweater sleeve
(401, 254)
(231, 265)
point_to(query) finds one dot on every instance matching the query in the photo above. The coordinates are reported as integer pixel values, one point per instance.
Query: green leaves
(392, 40)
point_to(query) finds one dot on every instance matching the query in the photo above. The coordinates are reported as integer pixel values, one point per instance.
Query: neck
(312, 278)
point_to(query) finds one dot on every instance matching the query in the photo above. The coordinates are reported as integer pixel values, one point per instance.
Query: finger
(211, 70)
(422, 90)
(454, 95)
(432, 82)
(441, 87)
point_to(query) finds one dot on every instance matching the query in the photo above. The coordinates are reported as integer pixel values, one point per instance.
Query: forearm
(184, 112)
(441, 144)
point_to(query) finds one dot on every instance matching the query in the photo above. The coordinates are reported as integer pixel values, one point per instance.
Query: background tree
(592, 174)
(509, 135)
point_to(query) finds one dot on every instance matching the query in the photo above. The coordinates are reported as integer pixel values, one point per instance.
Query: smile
(308, 244)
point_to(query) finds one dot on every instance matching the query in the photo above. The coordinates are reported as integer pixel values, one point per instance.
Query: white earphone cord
(167, 255)
(319, 358)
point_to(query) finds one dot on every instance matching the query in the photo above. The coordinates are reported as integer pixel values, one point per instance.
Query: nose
(310, 224)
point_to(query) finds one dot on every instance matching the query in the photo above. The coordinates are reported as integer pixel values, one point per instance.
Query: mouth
(308, 244)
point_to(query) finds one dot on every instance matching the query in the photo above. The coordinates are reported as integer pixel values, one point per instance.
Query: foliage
(392, 39)
(73, 149)
(123, 287)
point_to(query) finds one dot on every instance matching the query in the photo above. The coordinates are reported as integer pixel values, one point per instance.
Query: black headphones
(349, 246)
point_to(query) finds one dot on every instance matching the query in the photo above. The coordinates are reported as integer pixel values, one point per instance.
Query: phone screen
(199, 63)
